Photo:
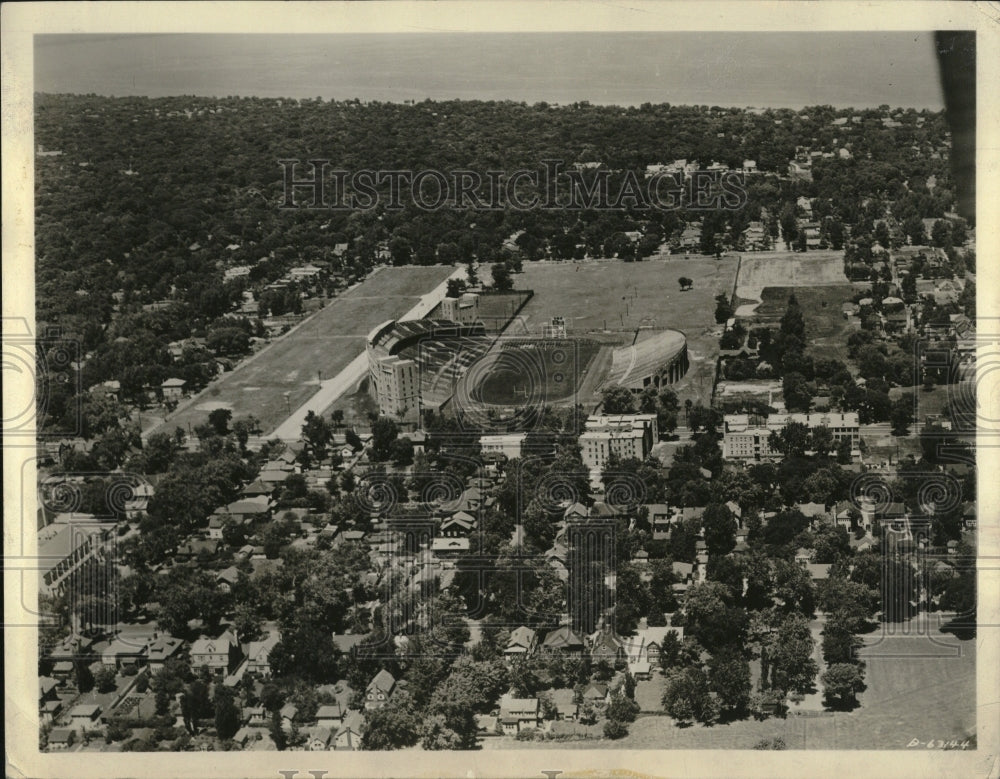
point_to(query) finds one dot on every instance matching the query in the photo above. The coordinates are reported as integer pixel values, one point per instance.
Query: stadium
(423, 364)
(414, 366)
(658, 361)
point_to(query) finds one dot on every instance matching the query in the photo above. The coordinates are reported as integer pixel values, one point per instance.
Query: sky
(779, 70)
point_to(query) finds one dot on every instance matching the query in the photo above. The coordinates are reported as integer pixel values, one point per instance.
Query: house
(255, 715)
(244, 736)
(124, 653)
(522, 642)
(351, 732)
(449, 547)
(244, 511)
(604, 645)
(84, 716)
(61, 738)
(461, 523)
(318, 739)
(640, 670)
(220, 655)
(49, 711)
(517, 714)
(46, 689)
(259, 655)
(596, 693)
(803, 555)
(173, 389)
(331, 715)
(227, 578)
(380, 690)
(160, 649)
(198, 548)
(564, 699)
(563, 639)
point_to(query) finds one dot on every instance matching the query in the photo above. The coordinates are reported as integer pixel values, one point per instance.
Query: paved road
(345, 381)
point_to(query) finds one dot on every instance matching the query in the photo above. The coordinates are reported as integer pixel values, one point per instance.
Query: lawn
(284, 375)
(617, 299)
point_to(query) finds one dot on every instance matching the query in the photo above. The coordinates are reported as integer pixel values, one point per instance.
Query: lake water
(780, 70)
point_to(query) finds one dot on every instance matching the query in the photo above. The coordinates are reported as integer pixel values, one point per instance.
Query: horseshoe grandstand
(414, 366)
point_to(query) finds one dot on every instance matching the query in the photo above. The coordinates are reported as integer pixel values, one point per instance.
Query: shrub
(615, 729)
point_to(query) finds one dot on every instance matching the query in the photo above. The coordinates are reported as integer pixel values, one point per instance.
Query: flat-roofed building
(507, 444)
(66, 545)
(624, 435)
(746, 436)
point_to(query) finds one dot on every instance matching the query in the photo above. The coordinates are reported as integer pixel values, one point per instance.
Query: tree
(792, 440)
(790, 655)
(901, 415)
(104, 680)
(796, 392)
(384, 433)
(686, 696)
(502, 280)
(685, 283)
(729, 678)
(618, 400)
(720, 529)
(841, 684)
(227, 717)
(723, 309)
(622, 709)
(219, 420)
(353, 440)
(277, 732)
(317, 433)
(710, 617)
(839, 644)
(615, 729)
(393, 726)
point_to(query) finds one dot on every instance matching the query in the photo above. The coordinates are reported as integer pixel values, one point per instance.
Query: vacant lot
(611, 296)
(826, 328)
(283, 376)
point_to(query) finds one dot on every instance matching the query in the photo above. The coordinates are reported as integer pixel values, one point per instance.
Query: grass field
(619, 298)
(916, 688)
(791, 269)
(286, 373)
(523, 371)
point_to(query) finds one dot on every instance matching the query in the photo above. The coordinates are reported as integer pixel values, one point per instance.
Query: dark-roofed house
(380, 690)
(604, 645)
(160, 649)
(563, 639)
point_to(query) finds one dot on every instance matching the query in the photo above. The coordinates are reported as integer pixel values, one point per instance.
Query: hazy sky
(741, 69)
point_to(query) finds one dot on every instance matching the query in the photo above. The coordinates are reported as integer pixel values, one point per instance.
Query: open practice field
(916, 689)
(789, 269)
(281, 377)
(598, 296)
